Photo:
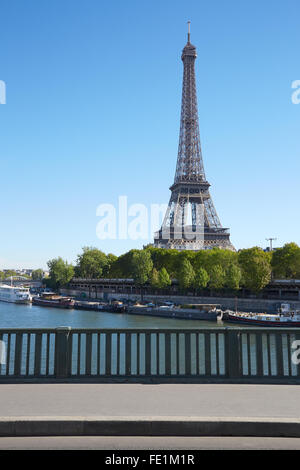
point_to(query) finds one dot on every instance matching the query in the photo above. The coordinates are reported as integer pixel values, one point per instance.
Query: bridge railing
(246, 354)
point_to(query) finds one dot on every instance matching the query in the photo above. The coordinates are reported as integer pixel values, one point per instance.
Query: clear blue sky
(93, 109)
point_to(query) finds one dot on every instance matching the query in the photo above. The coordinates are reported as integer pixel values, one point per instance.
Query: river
(33, 316)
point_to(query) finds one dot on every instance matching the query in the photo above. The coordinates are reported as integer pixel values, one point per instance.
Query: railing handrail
(208, 329)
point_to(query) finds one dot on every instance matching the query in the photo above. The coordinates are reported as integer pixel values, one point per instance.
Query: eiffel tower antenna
(189, 32)
(191, 221)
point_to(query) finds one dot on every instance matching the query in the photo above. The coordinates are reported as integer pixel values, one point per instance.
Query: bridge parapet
(221, 354)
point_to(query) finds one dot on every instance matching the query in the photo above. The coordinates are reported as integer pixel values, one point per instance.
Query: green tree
(37, 275)
(256, 268)
(60, 273)
(201, 278)
(233, 277)
(286, 261)
(90, 263)
(164, 278)
(142, 267)
(208, 258)
(160, 279)
(122, 267)
(9, 272)
(154, 279)
(186, 274)
(108, 268)
(164, 258)
(217, 277)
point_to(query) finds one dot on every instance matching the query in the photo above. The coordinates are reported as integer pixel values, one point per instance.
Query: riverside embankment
(246, 305)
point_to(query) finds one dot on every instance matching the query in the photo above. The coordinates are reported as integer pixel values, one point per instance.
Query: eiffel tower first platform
(191, 221)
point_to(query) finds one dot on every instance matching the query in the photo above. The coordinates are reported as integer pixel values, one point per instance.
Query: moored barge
(50, 299)
(280, 319)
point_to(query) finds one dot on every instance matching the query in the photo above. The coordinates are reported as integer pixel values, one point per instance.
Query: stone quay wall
(247, 305)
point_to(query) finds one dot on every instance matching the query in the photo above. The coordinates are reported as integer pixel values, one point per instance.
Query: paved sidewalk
(197, 400)
(160, 409)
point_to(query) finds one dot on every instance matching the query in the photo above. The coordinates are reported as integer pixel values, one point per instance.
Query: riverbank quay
(231, 303)
(149, 410)
(207, 312)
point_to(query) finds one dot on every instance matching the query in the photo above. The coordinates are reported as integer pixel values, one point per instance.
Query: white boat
(17, 295)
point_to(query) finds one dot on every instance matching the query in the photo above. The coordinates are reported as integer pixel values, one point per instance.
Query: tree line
(36, 275)
(217, 269)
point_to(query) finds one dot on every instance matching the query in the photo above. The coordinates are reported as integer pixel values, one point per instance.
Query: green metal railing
(210, 353)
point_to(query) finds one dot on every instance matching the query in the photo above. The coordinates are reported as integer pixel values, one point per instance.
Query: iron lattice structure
(191, 221)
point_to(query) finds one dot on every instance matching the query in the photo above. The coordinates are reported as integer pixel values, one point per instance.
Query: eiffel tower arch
(191, 221)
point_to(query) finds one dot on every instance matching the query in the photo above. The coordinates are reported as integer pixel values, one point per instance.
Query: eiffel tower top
(189, 49)
(189, 161)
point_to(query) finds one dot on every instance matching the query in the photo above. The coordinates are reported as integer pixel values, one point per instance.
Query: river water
(33, 316)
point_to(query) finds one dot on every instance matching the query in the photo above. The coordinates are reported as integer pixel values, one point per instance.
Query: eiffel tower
(191, 221)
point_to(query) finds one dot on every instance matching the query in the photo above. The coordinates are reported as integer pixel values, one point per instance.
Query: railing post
(108, 354)
(188, 362)
(167, 354)
(279, 355)
(128, 354)
(232, 351)
(62, 352)
(259, 355)
(18, 354)
(37, 354)
(207, 354)
(147, 354)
